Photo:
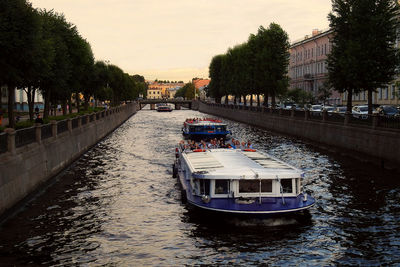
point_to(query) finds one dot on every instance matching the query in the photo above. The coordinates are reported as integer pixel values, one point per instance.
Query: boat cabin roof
(204, 122)
(237, 164)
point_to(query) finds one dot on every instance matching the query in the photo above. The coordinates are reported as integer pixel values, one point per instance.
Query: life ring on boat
(199, 150)
(250, 150)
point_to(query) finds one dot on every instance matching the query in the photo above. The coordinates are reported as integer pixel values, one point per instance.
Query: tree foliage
(187, 91)
(363, 56)
(258, 66)
(42, 51)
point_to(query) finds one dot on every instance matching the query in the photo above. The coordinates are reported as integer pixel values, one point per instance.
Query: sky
(176, 39)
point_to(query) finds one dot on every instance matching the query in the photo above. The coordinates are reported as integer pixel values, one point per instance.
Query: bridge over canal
(177, 103)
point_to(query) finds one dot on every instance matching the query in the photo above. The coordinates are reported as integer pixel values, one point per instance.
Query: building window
(380, 93)
(387, 92)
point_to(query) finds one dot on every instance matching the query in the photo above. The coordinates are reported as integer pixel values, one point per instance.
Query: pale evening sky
(176, 39)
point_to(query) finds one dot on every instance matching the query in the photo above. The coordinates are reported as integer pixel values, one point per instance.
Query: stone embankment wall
(368, 143)
(24, 168)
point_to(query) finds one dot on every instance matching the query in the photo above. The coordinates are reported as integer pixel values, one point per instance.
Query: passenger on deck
(203, 145)
(237, 144)
(232, 145)
(243, 146)
(249, 145)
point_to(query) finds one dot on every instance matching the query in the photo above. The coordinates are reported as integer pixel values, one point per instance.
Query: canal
(118, 205)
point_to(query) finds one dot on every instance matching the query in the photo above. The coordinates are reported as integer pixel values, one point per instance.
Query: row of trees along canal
(363, 57)
(41, 51)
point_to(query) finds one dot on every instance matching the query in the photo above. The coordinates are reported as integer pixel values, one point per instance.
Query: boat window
(191, 128)
(221, 128)
(209, 128)
(287, 185)
(198, 128)
(266, 186)
(253, 186)
(205, 186)
(195, 185)
(221, 186)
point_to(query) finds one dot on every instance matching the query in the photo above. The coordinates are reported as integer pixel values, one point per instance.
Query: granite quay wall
(374, 139)
(29, 157)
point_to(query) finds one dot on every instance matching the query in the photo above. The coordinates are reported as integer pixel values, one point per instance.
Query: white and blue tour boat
(204, 128)
(245, 182)
(164, 108)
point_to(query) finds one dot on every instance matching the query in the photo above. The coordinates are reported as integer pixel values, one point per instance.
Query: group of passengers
(215, 143)
(202, 119)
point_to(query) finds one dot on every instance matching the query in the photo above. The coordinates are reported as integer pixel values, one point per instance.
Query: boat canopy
(237, 164)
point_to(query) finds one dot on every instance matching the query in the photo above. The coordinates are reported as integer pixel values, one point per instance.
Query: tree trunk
(64, 106)
(265, 100)
(69, 105)
(226, 99)
(30, 95)
(273, 101)
(244, 100)
(349, 100)
(240, 99)
(46, 104)
(251, 100)
(86, 103)
(11, 101)
(370, 101)
(234, 100)
(77, 102)
(258, 100)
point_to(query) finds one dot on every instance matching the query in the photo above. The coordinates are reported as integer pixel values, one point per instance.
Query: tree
(19, 27)
(274, 59)
(55, 84)
(363, 55)
(190, 91)
(215, 71)
(324, 92)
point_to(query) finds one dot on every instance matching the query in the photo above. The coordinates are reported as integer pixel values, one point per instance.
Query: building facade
(158, 90)
(20, 100)
(308, 70)
(308, 63)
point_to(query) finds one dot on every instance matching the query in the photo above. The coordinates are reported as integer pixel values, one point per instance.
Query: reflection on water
(119, 205)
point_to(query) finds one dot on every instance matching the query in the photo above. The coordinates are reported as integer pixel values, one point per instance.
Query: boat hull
(204, 135)
(267, 208)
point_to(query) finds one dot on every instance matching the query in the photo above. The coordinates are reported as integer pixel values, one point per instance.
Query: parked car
(340, 110)
(387, 110)
(360, 112)
(316, 109)
(328, 109)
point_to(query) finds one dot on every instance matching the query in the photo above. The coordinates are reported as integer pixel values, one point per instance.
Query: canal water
(118, 205)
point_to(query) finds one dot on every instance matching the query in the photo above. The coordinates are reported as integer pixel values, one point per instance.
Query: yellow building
(154, 93)
(160, 90)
